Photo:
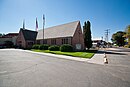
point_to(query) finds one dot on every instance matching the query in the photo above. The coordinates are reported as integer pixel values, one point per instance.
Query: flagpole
(36, 24)
(43, 26)
(24, 24)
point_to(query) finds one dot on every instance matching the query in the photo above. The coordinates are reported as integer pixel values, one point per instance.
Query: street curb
(99, 57)
(61, 56)
(96, 59)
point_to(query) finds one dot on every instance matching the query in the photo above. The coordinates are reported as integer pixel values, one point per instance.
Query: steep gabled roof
(29, 35)
(64, 30)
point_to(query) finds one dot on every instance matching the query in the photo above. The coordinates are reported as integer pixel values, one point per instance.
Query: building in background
(98, 42)
(8, 38)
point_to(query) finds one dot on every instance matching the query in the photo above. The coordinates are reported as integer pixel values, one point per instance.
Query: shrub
(54, 48)
(35, 46)
(41, 47)
(44, 47)
(66, 48)
(8, 44)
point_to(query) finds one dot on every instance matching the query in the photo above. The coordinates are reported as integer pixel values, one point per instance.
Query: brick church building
(26, 38)
(70, 33)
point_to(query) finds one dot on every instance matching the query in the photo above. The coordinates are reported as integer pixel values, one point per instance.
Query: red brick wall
(29, 43)
(78, 37)
(49, 41)
(21, 38)
(24, 44)
(58, 41)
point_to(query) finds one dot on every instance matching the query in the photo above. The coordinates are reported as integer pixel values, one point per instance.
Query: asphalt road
(19, 68)
(119, 56)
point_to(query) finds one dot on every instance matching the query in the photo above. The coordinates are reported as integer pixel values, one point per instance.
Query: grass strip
(87, 54)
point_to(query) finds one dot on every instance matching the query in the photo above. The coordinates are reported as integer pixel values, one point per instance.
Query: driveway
(19, 68)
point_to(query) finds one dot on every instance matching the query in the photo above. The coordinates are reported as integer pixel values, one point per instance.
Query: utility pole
(107, 31)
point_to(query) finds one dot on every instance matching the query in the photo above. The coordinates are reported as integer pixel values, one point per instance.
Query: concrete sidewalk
(98, 58)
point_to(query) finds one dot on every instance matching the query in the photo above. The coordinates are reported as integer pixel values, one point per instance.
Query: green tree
(118, 38)
(0, 34)
(128, 34)
(87, 35)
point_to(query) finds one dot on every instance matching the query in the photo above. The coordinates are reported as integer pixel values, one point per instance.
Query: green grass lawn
(87, 54)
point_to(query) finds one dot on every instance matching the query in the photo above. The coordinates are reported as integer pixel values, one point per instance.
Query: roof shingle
(29, 35)
(64, 30)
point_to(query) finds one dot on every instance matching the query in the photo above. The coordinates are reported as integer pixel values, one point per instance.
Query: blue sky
(103, 14)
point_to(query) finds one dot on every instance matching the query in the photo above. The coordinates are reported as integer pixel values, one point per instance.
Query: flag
(36, 24)
(23, 24)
